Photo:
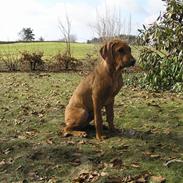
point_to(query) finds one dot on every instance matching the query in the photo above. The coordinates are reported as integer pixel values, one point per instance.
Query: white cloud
(131, 6)
(43, 17)
(154, 7)
(126, 8)
(16, 14)
(80, 16)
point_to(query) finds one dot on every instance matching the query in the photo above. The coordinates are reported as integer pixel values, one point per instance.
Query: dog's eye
(121, 50)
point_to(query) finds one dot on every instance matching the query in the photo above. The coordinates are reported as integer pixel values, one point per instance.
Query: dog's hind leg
(76, 119)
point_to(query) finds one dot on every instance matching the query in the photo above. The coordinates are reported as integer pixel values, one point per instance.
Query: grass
(32, 149)
(79, 50)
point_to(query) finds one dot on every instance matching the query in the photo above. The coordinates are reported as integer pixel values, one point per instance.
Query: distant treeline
(7, 42)
(12, 42)
(132, 39)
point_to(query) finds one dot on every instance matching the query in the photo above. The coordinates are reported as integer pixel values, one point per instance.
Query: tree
(108, 25)
(66, 59)
(65, 30)
(41, 39)
(26, 34)
(162, 54)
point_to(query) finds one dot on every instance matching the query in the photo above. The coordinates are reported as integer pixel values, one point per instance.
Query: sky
(43, 16)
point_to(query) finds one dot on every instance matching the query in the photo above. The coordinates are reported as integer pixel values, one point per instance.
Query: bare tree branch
(108, 24)
(66, 33)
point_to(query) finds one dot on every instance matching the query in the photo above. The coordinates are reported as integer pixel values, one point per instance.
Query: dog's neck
(110, 69)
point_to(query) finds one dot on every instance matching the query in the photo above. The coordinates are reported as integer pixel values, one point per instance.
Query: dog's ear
(103, 51)
(107, 51)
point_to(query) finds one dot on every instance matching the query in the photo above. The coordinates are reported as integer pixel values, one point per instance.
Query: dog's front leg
(97, 117)
(110, 115)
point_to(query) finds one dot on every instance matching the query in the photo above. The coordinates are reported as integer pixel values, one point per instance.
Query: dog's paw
(82, 134)
(101, 138)
(66, 134)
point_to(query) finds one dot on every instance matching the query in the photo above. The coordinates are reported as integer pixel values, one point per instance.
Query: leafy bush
(162, 54)
(10, 61)
(31, 61)
(90, 60)
(63, 62)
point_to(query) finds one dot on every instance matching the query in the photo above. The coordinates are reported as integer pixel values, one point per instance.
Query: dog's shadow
(135, 134)
(129, 133)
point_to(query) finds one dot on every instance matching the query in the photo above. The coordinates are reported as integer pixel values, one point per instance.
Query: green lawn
(79, 50)
(33, 150)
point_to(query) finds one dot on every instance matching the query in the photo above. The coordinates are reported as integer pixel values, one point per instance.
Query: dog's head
(117, 54)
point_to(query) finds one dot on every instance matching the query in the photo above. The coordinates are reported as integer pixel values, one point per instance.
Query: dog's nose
(133, 62)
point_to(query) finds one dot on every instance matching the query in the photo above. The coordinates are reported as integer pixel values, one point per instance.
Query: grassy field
(33, 150)
(79, 50)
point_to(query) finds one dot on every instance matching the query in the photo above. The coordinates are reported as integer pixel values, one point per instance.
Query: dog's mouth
(121, 66)
(132, 63)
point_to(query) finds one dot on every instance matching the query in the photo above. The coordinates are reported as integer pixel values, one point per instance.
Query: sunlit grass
(31, 147)
(79, 50)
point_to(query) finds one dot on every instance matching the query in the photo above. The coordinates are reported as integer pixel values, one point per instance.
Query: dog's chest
(117, 84)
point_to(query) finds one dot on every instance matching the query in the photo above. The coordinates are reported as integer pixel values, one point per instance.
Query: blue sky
(43, 16)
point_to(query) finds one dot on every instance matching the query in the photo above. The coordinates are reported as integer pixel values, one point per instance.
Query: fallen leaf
(52, 180)
(123, 147)
(49, 141)
(82, 142)
(21, 137)
(31, 132)
(135, 165)
(103, 174)
(87, 177)
(141, 180)
(33, 176)
(106, 165)
(114, 180)
(7, 151)
(150, 155)
(116, 163)
(76, 162)
(2, 162)
(40, 115)
(17, 122)
(47, 105)
(71, 142)
(157, 179)
(9, 161)
(147, 153)
(155, 156)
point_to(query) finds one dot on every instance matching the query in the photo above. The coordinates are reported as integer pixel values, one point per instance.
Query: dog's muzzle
(133, 61)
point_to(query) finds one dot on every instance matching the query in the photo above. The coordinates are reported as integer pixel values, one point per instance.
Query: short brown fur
(98, 90)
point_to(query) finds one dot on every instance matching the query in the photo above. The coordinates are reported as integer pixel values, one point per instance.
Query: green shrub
(31, 61)
(162, 53)
(9, 61)
(64, 62)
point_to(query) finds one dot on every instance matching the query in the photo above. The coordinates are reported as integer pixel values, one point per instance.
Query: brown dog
(98, 90)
